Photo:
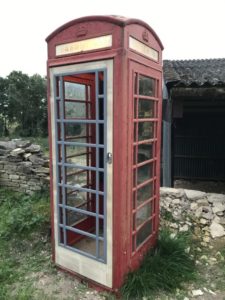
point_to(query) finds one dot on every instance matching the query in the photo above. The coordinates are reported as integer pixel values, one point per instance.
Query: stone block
(14, 177)
(212, 198)
(193, 195)
(175, 193)
(216, 230)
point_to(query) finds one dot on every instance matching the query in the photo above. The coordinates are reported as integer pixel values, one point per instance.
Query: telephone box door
(81, 99)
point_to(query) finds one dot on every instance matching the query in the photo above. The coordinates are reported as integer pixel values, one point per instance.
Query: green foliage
(23, 104)
(3, 107)
(20, 214)
(24, 226)
(164, 269)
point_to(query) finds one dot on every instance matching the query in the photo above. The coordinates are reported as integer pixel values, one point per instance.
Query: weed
(24, 225)
(167, 215)
(21, 214)
(164, 269)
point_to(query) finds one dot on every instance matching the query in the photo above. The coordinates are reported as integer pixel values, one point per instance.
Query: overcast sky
(188, 29)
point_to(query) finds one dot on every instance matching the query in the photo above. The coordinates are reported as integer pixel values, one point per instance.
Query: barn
(194, 122)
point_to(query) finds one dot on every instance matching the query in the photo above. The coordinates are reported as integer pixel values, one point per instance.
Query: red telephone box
(105, 79)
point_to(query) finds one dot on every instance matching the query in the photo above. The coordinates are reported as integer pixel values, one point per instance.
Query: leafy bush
(24, 225)
(164, 268)
(21, 214)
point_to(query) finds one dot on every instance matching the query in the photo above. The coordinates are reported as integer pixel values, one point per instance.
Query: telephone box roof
(118, 20)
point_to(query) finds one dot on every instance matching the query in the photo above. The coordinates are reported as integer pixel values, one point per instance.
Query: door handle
(109, 157)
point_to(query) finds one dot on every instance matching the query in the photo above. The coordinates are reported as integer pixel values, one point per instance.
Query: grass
(165, 269)
(25, 254)
(24, 231)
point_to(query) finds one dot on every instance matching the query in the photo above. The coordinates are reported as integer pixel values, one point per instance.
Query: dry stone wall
(204, 213)
(23, 166)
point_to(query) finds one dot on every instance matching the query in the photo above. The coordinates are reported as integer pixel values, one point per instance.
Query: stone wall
(184, 210)
(23, 167)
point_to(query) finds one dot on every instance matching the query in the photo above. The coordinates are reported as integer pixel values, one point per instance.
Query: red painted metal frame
(125, 63)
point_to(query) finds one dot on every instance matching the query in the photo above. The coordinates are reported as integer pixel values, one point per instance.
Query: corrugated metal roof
(200, 72)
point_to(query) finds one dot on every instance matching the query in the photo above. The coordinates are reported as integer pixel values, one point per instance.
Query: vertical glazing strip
(61, 94)
(87, 141)
(105, 164)
(56, 113)
(97, 159)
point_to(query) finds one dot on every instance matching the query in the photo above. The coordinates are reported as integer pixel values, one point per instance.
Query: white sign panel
(143, 49)
(85, 45)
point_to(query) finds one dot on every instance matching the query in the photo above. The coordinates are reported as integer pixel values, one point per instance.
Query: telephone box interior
(104, 101)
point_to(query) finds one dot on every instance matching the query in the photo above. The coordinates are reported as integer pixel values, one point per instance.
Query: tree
(27, 104)
(4, 107)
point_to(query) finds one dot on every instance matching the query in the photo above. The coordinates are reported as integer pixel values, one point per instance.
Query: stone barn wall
(23, 167)
(184, 210)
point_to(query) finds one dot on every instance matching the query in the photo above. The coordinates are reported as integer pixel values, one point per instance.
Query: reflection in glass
(146, 86)
(133, 243)
(78, 155)
(145, 131)
(76, 110)
(145, 109)
(135, 108)
(143, 214)
(135, 83)
(77, 176)
(145, 152)
(135, 132)
(76, 198)
(75, 130)
(144, 233)
(73, 217)
(74, 90)
(101, 83)
(85, 244)
(144, 193)
(134, 177)
(144, 173)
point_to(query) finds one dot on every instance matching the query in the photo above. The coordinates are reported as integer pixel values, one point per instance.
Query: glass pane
(73, 217)
(101, 228)
(101, 182)
(135, 83)
(144, 233)
(78, 176)
(146, 86)
(134, 177)
(82, 243)
(101, 83)
(145, 152)
(135, 132)
(61, 235)
(145, 109)
(145, 131)
(144, 173)
(74, 131)
(134, 200)
(101, 249)
(74, 91)
(101, 108)
(135, 108)
(76, 110)
(83, 200)
(81, 156)
(143, 214)
(134, 243)
(134, 155)
(144, 193)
